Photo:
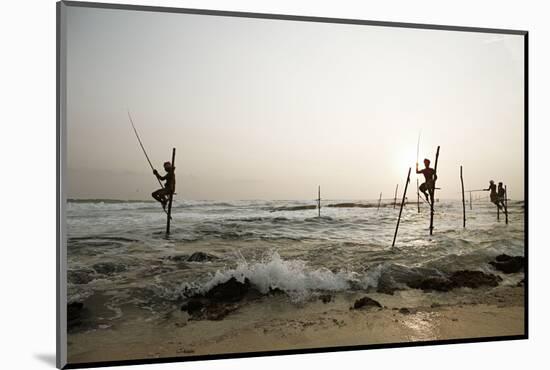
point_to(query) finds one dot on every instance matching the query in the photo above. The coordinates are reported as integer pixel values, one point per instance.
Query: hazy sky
(269, 109)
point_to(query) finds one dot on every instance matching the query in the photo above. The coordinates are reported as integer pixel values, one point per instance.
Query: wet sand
(275, 323)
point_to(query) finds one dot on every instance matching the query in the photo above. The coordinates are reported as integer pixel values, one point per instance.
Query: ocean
(118, 250)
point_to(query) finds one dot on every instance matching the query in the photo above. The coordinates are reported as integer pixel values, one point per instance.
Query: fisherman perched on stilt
(162, 195)
(493, 195)
(501, 196)
(427, 187)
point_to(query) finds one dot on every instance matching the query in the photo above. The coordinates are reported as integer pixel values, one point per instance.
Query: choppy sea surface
(118, 249)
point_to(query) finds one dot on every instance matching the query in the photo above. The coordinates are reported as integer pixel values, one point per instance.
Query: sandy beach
(275, 323)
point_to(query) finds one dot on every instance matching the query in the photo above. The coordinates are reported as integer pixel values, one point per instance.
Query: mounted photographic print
(237, 184)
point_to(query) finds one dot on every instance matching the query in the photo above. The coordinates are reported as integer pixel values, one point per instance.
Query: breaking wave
(294, 277)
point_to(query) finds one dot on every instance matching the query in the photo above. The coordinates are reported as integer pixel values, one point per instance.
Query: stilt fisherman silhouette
(162, 195)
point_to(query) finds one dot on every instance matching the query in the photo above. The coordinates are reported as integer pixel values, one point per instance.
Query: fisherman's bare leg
(423, 188)
(156, 195)
(496, 202)
(160, 196)
(502, 206)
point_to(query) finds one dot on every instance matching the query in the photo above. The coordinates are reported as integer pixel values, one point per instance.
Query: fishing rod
(142, 147)
(146, 156)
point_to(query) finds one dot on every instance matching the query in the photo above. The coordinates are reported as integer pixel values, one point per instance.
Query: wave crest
(294, 277)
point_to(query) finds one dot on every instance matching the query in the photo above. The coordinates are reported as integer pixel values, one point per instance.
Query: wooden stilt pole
(470, 201)
(417, 196)
(169, 213)
(379, 200)
(498, 213)
(319, 202)
(395, 196)
(463, 203)
(401, 208)
(432, 195)
(506, 203)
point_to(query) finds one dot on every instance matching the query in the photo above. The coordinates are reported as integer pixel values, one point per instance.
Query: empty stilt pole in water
(319, 202)
(470, 201)
(379, 200)
(401, 208)
(169, 212)
(463, 202)
(432, 197)
(418, 195)
(395, 196)
(506, 202)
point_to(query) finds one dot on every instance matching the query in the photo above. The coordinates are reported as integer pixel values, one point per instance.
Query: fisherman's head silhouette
(167, 166)
(427, 162)
(491, 182)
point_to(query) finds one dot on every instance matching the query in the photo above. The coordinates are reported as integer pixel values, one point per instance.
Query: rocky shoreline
(227, 297)
(272, 322)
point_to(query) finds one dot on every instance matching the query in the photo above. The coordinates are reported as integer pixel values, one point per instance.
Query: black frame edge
(526, 181)
(57, 188)
(300, 18)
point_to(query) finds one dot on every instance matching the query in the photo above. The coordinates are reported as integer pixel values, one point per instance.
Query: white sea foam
(294, 277)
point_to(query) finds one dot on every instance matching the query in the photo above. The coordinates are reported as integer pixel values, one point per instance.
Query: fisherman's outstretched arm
(158, 176)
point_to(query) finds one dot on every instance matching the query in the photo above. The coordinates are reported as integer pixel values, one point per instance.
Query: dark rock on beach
(366, 302)
(193, 306)
(201, 257)
(276, 291)
(508, 264)
(195, 257)
(440, 284)
(325, 298)
(219, 301)
(458, 279)
(397, 277)
(406, 311)
(474, 279)
(179, 257)
(230, 291)
(392, 279)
